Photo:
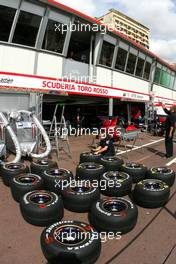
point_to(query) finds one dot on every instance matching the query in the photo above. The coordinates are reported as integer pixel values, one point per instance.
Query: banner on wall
(158, 101)
(33, 83)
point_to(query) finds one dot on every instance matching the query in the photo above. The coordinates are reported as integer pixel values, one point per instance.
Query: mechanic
(170, 125)
(106, 146)
(79, 120)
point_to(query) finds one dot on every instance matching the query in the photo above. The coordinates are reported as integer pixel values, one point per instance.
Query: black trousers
(168, 144)
(78, 130)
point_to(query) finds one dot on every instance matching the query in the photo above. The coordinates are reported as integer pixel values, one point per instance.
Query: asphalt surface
(152, 241)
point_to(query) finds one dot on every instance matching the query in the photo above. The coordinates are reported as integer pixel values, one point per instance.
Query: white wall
(162, 92)
(174, 95)
(49, 65)
(22, 60)
(15, 59)
(120, 80)
(103, 76)
(27, 61)
(124, 81)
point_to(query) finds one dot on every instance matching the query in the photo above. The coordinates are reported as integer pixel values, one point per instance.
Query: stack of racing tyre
(105, 188)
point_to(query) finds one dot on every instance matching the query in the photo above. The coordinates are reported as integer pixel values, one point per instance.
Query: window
(121, 59)
(27, 29)
(107, 53)
(140, 67)
(131, 63)
(175, 83)
(165, 78)
(147, 70)
(79, 47)
(54, 39)
(7, 15)
(168, 78)
(157, 75)
(171, 80)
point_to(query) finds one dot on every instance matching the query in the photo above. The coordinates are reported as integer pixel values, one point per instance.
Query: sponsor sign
(158, 101)
(32, 83)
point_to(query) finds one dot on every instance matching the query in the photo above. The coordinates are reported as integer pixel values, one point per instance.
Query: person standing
(79, 121)
(170, 125)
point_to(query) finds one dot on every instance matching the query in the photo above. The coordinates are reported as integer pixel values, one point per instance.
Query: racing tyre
(89, 157)
(135, 170)
(162, 173)
(117, 215)
(116, 184)
(41, 208)
(8, 171)
(24, 183)
(39, 166)
(89, 171)
(151, 193)
(111, 163)
(53, 178)
(80, 197)
(1, 164)
(70, 242)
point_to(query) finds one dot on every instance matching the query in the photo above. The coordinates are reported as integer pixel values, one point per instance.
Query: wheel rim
(153, 185)
(88, 154)
(133, 165)
(82, 189)
(161, 170)
(43, 162)
(40, 198)
(57, 173)
(91, 167)
(26, 179)
(110, 159)
(14, 166)
(115, 206)
(115, 175)
(70, 235)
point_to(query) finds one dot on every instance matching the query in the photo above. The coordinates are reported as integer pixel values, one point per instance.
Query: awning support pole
(110, 107)
(129, 112)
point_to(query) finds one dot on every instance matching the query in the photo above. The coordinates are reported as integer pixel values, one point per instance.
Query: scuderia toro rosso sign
(33, 83)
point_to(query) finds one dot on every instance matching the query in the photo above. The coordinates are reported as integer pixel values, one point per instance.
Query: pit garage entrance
(93, 109)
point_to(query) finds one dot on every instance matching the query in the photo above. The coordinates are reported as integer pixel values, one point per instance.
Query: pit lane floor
(152, 241)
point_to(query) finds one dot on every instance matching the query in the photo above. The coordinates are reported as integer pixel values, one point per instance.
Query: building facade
(37, 56)
(130, 27)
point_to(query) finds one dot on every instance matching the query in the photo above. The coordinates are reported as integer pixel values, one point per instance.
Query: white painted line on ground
(145, 145)
(131, 146)
(171, 162)
(118, 150)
